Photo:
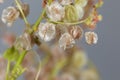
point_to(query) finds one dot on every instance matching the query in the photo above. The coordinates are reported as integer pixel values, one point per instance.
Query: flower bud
(9, 15)
(91, 37)
(47, 31)
(66, 41)
(71, 14)
(55, 11)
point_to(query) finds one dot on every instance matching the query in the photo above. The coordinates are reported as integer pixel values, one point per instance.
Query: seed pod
(81, 3)
(66, 41)
(47, 31)
(76, 32)
(71, 14)
(79, 11)
(9, 15)
(91, 38)
(55, 11)
(26, 9)
(66, 2)
(24, 42)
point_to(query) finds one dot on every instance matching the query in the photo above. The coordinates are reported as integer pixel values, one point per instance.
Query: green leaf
(11, 54)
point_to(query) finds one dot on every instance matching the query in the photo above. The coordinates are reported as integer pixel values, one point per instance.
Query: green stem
(21, 11)
(72, 23)
(35, 26)
(8, 69)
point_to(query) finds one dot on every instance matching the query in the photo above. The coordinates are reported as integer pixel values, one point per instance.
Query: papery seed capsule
(91, 37)
(76, 32)
(66, 41)
(24, 42)
(47, 31)
(80, 11)
(66, 2)
(9, 15)
(81, 3)
(26, 9)
(55, 11)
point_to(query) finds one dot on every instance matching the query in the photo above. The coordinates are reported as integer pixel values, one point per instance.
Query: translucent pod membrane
(32, 63)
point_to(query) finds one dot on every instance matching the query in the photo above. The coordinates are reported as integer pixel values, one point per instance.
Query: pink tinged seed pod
(9, 15)
(79, 10)
(76, 32)
(91, 37)
(47, 31)
(55, 11)
(66, 2)
(66, 41)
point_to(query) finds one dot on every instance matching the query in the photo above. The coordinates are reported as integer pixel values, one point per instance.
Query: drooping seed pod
(9, 15)
(76, 32)
(47, 31)
(71, 14)
(81, 3)
(91, 37)
(66, 41)
(66, 2)
(55, 11)
(26, 9)
(80, 11)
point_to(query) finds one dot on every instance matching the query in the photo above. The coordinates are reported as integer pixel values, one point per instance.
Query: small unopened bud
(66, 41)
(47, 31)
(9, 15)
(91, 37)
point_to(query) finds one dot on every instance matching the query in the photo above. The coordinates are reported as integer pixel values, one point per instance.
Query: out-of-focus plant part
(9, 15)
(1, 1)
(60, 24)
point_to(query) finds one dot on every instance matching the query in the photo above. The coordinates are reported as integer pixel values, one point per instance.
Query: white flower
(66, 41)
(9, 15)
(47, 31)
(91, 37)
(82, 3)
(55, 11)
(79, 10)
(66, 2)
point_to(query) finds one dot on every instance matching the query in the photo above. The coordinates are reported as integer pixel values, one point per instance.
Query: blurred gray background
(105, 55)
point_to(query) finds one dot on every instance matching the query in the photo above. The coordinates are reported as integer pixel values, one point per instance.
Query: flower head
(55, 11)
(66, 2)
(9, 15)
(82, 3)
(47, 31)
(66, 41)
